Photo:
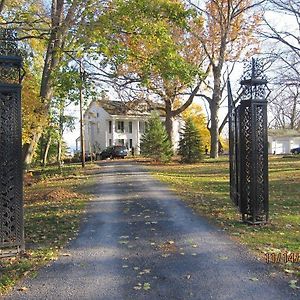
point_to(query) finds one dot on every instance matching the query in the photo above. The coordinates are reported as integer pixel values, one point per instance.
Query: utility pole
(82, 146)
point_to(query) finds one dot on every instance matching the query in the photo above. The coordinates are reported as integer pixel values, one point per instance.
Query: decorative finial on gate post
(11, 62)
(254, 81)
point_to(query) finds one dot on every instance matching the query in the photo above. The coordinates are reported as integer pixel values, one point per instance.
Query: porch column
(113, 131)
(137, 137)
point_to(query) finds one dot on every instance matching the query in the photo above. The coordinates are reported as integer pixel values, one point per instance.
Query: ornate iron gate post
(11, 175)
(249, 146)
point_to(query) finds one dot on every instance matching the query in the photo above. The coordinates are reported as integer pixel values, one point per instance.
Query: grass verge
(53, 204)
(205, 187)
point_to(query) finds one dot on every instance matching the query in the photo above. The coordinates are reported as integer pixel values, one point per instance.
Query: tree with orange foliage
(148, 48)
(226, 36)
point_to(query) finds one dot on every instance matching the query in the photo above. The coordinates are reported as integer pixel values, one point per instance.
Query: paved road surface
(138, 241)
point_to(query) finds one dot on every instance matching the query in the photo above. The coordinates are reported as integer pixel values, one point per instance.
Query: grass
(53, 204)
(205, 187)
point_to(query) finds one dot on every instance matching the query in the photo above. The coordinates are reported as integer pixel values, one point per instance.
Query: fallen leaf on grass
(125, 266)
(293, 284)
(146, 286)
(289, 271)
(66, 254)
(23, 289)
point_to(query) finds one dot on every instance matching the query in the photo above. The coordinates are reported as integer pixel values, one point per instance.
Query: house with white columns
(108, 123)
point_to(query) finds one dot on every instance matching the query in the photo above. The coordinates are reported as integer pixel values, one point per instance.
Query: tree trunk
(29, 149)
(45, 158)
(59, 151)
(169, 121)
(214, 132)
(214, 110)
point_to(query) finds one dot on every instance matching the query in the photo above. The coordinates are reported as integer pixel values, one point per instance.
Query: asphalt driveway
(139, 241)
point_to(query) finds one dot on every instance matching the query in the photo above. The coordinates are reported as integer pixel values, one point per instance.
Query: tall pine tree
(190, 143)
(155, 142)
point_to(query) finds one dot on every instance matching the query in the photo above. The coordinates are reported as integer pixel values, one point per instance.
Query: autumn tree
(53, 27)
(147, 48)
(226, 36)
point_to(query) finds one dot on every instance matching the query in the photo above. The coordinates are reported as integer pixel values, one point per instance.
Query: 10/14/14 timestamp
(282, 257)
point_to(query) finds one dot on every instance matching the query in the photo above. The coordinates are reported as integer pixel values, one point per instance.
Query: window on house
(109, 126)
(120, 126)
(97, 115)
(120, 142)
(130, 127)
(142, 126)
(109, 142)
(130, 143)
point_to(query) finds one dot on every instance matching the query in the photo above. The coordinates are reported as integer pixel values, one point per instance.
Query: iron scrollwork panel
(254, 161)
(11, 186)
(261, 159)
(245, 158)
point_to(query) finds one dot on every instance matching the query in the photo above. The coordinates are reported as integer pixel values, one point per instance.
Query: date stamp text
(282, 257)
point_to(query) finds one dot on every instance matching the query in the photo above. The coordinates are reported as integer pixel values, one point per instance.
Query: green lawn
(205, 187)
(53, 204)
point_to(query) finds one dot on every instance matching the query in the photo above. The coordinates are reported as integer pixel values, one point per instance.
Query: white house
(282, 141)
(108, 123)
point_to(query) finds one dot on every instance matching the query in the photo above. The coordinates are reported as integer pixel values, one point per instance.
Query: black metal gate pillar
(249, 147)
(11, 175)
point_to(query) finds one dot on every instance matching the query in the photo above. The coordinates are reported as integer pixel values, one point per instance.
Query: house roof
(131, 108)
(283, 133)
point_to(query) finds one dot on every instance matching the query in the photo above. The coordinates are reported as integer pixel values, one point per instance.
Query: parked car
(113, 152)
(295, 150)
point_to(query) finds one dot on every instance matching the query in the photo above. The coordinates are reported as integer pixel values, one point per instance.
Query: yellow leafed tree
(34, 118)
(195, 112)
